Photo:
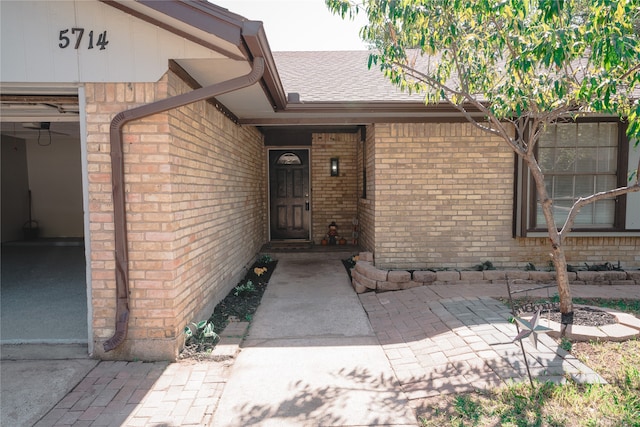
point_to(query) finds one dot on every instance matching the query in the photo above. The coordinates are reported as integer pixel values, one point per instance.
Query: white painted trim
(588, 234)
(633, 199)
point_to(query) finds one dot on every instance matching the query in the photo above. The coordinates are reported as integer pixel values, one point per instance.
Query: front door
(289, 194)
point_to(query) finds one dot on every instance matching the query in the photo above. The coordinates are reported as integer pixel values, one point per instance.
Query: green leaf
(201, 324)
(208, 331)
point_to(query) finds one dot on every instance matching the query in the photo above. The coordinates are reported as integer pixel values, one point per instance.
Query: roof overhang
(236, 38)
(358, 113)
(240, 40)
(237, 41)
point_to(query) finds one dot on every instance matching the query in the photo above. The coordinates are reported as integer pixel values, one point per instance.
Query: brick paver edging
(366, 277)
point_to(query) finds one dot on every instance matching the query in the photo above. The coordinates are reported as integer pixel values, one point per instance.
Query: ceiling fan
(37, 125)
(40, 126)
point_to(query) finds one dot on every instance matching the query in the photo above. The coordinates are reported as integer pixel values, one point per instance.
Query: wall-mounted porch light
(335, 171)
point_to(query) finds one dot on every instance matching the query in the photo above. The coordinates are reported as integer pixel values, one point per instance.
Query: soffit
(200, 22)
(238, 40)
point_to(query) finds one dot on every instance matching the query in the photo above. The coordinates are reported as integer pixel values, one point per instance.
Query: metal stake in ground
(513, 313)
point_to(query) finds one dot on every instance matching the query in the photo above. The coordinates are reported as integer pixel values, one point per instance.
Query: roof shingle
(336, 76)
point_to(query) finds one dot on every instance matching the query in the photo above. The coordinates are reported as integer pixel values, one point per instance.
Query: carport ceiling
(30, 108)
(27, 116)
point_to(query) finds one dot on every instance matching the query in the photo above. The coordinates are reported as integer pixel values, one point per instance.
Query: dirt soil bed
(241, 303)
(584, 316)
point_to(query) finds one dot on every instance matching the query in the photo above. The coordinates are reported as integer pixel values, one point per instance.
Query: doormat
(288, 246)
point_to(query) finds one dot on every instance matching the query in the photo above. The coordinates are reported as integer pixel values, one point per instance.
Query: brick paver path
(143, 394)
(447, 345)
(438, 339)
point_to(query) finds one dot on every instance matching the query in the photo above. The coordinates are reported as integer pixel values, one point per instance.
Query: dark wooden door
(289, 194)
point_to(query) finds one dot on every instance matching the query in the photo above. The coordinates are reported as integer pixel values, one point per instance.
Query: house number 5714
(77, 33)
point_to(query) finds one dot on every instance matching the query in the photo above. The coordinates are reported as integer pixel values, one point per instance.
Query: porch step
(288, 246)
(305, 246)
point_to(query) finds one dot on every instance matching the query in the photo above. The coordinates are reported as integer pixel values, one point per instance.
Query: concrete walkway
(319, 355)
(311, 357)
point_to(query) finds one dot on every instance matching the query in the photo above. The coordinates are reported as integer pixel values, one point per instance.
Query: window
(579, 158)
(289, 159)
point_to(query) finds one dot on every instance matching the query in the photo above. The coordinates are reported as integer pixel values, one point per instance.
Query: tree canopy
(512, 67)
(510, 58)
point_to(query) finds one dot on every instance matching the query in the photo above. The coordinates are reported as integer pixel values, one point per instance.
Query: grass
(626, 305)
(570, 405)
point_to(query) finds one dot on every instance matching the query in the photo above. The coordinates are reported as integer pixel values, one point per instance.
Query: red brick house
(190, 144)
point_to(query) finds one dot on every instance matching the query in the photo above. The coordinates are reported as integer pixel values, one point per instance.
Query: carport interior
(43, 270)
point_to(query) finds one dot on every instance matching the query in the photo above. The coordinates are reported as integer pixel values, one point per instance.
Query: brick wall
(366, 212)
(143, 139)
(443, 197)
(219, 202)
(334, 198)
(195, 210)
(580, 250)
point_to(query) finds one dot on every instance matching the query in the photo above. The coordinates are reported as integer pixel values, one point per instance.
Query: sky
(294, 25)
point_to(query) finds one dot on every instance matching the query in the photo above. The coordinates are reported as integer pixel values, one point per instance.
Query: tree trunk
(557, 247)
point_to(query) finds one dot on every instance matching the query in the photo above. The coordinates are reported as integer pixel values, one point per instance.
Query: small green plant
(265, 259)
(244, 289)
(566, 345)
(607, 266)
(351, 261)
(200, 333)
(487, 265)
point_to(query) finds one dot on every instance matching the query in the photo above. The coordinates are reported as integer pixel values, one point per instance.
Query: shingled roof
(336, 76)
(341, 76)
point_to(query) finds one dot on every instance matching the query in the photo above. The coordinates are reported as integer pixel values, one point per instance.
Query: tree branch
(584, 201)
(497, 127)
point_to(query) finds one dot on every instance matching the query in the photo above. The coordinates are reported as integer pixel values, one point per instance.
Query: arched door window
(289, 159)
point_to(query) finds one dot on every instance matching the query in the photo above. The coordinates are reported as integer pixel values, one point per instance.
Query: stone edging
(628, 327)
(366, 277)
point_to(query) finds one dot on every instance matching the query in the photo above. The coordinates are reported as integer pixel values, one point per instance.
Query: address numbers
(75, 35)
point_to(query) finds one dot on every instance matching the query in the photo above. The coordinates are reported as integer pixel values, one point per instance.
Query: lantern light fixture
(335, 167)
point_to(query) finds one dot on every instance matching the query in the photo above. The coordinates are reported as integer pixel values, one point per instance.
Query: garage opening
(43, 271)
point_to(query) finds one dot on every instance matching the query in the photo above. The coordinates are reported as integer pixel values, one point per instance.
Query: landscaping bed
(243, 300)
(240, 304)
(586, 312)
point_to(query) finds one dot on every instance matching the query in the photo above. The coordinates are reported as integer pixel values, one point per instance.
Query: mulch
(241, 307)
(244, 305)
(584, 316)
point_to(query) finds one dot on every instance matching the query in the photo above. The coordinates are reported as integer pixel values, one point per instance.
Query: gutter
(117, 179)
